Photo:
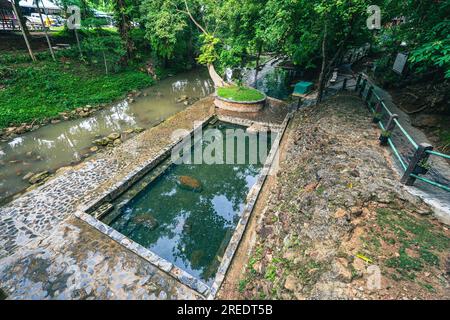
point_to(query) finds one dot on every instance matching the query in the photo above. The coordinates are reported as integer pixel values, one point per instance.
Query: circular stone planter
(240, 106)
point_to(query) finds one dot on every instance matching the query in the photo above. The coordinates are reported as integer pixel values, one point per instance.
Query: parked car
(56, 21)
(34, 21)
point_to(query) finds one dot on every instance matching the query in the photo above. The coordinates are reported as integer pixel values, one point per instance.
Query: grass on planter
(236, 93)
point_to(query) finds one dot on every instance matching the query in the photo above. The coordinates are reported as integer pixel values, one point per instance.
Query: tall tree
(21, 17)
(45, 31)
(122, 11)
(23, 29)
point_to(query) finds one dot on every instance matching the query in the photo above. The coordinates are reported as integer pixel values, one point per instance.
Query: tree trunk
(257, 64)
(23, 28)
(45, 31)
(78, 42)
(324, 62)
(106, 64)
(124, 26)
(20, 17)
(218, 81)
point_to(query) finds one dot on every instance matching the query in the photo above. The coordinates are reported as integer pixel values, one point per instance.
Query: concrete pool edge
(119, 188)
(83, 211)
(252, 197)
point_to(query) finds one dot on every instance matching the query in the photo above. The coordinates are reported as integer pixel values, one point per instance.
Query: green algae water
(189, 226)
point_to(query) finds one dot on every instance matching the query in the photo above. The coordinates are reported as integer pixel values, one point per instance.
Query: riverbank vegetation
(43, 90)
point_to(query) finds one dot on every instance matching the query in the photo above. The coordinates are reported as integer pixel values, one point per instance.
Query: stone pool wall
(47, 252)
(242, 106)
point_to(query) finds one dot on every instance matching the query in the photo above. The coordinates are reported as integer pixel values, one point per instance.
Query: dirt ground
(14, 42)
(335, 223)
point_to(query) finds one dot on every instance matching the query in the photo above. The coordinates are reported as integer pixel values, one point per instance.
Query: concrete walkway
(439, 199)
(46, 253)
(440, 172)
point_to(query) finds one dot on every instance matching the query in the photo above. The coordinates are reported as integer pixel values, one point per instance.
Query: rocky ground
(336, 216)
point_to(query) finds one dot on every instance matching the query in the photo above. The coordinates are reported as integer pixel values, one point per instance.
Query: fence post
(379, 107)
(358, 82)
(384, 137)
(344, 84)
(363, 87)
(369, 95)
(299, 103)
(421, 156)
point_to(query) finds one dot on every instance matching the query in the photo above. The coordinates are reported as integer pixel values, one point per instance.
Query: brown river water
(57, 145)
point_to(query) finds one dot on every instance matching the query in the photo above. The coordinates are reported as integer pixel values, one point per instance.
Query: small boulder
(93, 149)
(146, 220)
(126, 134)
(182, 98)
(114, 136)
(342, 271)
(189, 183)
(290, 283)
(21, 129)
(101, 142)
(27, 176)
(117, 142)
(39, 177)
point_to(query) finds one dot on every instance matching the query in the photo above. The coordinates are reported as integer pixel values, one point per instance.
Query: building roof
(47, 4)
(5, 4)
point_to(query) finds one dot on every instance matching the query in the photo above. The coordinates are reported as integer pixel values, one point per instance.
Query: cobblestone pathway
(47, 253)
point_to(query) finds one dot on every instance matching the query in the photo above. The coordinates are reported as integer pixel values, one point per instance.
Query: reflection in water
(272, 80)
(189, 228)
(61, 144)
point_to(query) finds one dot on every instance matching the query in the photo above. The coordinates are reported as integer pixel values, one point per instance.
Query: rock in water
(101, 142)
(27, 176)
(117, 142)
(190, 183)
(148, 221)
(182, 98)
(113, 136)
(38, 177)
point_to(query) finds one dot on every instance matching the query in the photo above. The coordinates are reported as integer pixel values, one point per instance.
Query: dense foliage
(235, 33)
(424, 34)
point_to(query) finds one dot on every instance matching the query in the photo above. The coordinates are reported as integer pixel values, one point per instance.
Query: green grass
(236, 93)
(444, 144)
(39, 91)
(3, 295)
(416, 235)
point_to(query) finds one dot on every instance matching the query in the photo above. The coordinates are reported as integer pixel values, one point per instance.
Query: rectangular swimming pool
(186, 213)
